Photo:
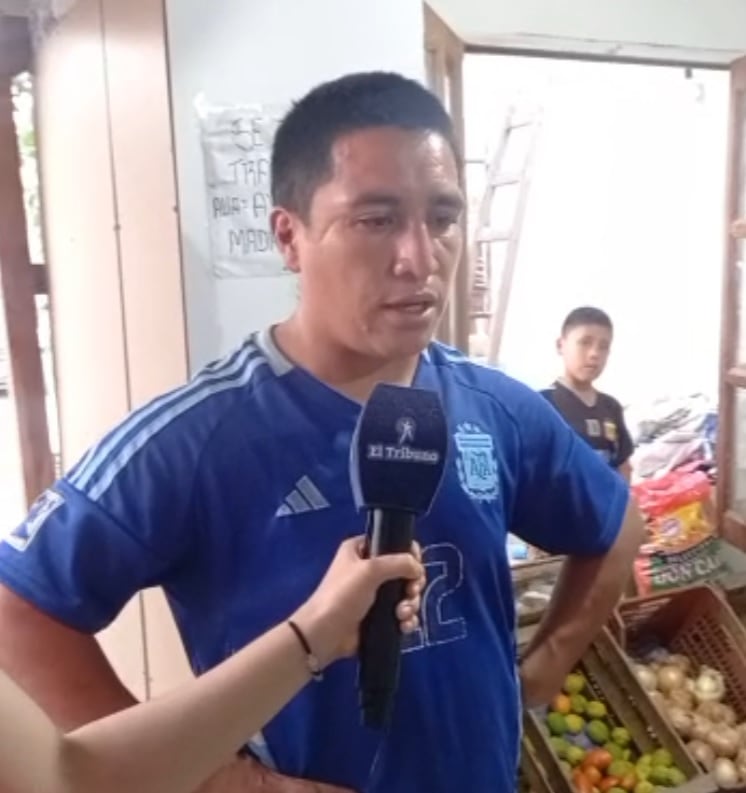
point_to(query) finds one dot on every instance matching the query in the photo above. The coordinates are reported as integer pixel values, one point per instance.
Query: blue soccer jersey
(233, 493)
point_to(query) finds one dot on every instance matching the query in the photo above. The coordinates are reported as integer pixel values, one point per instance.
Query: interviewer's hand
(331, 619)
(332, 615)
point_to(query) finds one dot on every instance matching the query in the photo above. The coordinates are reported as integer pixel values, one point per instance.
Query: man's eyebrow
(377, 197)
(450, 200)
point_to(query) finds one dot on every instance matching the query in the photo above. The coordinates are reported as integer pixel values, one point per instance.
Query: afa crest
(476, 462)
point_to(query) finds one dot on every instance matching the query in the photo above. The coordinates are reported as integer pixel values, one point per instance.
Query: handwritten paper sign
(237, 146)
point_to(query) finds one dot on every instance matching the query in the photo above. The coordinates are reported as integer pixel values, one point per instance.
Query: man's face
(378, 252)
(585, 350)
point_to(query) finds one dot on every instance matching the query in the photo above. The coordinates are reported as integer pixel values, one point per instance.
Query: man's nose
(414, 251)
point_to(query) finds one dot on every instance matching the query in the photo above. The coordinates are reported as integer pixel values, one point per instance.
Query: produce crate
(611, 680)
(736, 597)
(697, 622)
(533, 778)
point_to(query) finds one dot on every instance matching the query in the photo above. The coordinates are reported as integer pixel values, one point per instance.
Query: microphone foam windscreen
(399, 449)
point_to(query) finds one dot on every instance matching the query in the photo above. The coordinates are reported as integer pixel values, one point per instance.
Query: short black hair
(301, 155)
(586, 315)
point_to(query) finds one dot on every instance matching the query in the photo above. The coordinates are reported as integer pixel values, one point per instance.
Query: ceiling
(711, 32)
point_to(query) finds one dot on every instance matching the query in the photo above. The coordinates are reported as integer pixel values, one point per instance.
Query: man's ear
(285, 228)
(560, 343)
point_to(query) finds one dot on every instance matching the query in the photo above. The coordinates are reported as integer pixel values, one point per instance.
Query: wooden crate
(696, 621)
(611, 680)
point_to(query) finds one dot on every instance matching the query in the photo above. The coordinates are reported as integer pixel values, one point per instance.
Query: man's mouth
(416, 304)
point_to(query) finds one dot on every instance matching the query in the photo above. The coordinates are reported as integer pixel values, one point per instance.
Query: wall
(108, 198)
(712, 31)
(252, 51)
(624, 211)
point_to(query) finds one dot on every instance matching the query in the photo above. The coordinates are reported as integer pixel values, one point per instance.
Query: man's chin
(405, 345)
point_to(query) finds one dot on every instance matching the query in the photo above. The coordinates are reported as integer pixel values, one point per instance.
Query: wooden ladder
(495, 250)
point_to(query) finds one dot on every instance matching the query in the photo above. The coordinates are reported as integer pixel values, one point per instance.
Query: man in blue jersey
(233, 492)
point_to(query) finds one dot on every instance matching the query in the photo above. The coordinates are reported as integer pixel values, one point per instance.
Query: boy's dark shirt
(601, 425)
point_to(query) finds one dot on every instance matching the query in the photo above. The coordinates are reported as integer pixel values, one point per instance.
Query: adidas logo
(304, 497)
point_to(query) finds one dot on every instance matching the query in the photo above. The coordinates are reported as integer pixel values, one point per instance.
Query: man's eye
(376, 222)
(443, 221)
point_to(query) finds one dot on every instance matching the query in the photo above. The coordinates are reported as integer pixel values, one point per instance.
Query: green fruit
(574, 684)
(620, 768)
(556, 723)
(627, 754)
(676, 777)
(559, 745)
(615, 751)
(578, 704)
(621, 737)
(566, 767)
(596, 710)
(617, 790)
(644, 787)
(575, 755)
(646, 760)
(598, 732)
(662, 757)
(659, 775)
(643, 771)
(574, 724)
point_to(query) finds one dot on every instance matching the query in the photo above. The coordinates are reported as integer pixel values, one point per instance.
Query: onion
(683, 699)
(670, 677)
(647, 677)
(682, 661)
(741, 765)
(709, 685)
(724, 740)
(726, 774)
(681, 720)
(702, 752)
(701, 728)
(717, 713)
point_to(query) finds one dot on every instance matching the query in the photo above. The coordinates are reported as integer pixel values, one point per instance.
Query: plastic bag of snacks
(681, 547)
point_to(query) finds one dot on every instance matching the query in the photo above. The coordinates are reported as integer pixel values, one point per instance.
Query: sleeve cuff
(42, 599)
(614, 517)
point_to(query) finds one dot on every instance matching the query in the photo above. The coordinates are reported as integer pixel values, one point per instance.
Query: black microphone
(396, 463)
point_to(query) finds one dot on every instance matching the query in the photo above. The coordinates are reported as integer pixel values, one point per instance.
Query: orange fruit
(561, 704)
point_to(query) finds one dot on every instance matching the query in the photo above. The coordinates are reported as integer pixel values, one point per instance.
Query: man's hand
(537, 687)
(246, 775)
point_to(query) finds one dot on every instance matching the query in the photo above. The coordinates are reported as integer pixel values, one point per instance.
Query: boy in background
(584, 345)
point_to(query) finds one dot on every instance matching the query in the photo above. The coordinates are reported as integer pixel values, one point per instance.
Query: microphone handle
(388, 531)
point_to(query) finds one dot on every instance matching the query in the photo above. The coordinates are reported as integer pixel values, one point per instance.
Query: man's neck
(350, 373)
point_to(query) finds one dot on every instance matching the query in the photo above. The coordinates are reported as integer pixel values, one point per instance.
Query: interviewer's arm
(173, 744)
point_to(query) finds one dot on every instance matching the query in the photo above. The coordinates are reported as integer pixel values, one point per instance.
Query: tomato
(593, 774)
(628, 781)
(581, 782)
(598, 758)
(608, 783)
